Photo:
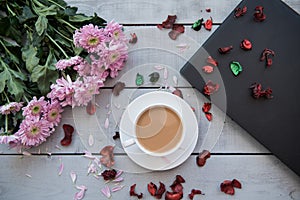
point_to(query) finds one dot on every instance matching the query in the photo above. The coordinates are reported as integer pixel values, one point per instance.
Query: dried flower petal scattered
(202, 157)
(68, 130)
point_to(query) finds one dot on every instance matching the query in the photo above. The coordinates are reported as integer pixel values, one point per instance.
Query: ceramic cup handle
(128, 142)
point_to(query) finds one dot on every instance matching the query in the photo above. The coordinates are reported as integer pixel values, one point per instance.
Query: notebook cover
(274, 122)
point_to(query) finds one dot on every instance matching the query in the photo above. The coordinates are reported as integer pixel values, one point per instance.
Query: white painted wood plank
(156, 11)
(262, 177)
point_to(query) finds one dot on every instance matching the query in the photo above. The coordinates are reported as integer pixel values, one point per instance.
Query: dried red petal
(208, 116)
(116, 136)
(212, 61)
(240, 11)
(168, 23)
(173, 195)
(206, 107)
(117, 88)
(265, 55)
(208, 24)
(179, 179)
(161, 190)
(194, 192)
(176, 30)
(173, 34)
(109, 174)
(133, 193)
(202, 157)
(107, 158)
(246, 44)
(210, 88)
(133, 38)
(68, 130)
(152, 188)
(226, 187)
(91, 108)
(208, 69)
(178, 92)
(258, 92)
(208, 10)
(236, 183)
(259, 15)
(224, 50)
(176, 187)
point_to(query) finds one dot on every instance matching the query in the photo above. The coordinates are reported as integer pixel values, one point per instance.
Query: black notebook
(274, 122)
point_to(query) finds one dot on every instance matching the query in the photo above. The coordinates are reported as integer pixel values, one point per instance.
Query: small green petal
(236, 67)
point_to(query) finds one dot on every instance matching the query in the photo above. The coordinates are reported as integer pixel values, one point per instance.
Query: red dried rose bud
(226, 187)
(208, 10)
(109, 174)
(173, 195)
(246, 44)
(212, 61)
(152, 188)
(224, 50)
(259, 15)
(236, 183)
(208, 116)
(208, 24)
(238, 12)
(258, 92)
(193, 193)
(179, 179)
(202, 157)
(210, 88)
(133, 193)
(68, 130)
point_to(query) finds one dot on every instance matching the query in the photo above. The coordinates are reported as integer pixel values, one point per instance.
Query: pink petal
(119, 173)
(28, 175)
(61, 169)
(79, 195)
(106, 191)
(117, 188)
(106, 123)
(91, 140)
(117, 180)
(26, 153)
(89, 155)
(158, 67)
(175, 80)
(73, 176)
(165, 73)
(56, 146)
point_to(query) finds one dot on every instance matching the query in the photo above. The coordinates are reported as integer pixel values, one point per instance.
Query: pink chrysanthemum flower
(63, 90)
(84, 91)
(12, 107)
(114, 31)
(33, 131)
(115, 55)
(89, 37)
(53, 113)
(35, 107)
(65, 63)
(83, 69)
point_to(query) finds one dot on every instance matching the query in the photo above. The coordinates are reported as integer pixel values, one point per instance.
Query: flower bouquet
(34, 86)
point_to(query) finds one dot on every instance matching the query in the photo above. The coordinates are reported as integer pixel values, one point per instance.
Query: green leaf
(79, 18)
(51, 10)
(45, 75)
(41, 25)
(29, 56)
(18, 75)
(15, 87)
(26, 14)
(4, 76)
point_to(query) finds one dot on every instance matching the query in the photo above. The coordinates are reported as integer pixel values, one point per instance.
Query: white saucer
(127, 128)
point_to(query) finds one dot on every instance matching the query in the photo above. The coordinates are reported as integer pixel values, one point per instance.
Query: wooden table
(235, 154)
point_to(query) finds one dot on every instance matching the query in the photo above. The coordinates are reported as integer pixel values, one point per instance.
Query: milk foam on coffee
(159, 129)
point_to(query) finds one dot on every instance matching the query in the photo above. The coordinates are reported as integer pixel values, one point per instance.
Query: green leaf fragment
(29, 56)
(139, 80)
(236, 67)
(154, 77)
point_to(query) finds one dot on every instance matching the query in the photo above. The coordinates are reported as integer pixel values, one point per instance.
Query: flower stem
(8, 101)
(6, 123)
(62, 35)
(65, 22)
(56, 4)
(52, 40)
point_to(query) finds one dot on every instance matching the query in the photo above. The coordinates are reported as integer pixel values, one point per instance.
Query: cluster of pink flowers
(40, 119)
(107, 52)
